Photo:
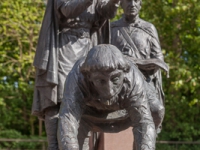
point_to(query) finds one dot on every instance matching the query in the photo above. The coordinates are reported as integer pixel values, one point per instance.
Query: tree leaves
(19, 30)
(178, 25)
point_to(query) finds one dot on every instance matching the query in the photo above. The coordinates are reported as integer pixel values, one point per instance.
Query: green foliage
(178, 24)
(13, 134)
(19, 28)
(177, 147)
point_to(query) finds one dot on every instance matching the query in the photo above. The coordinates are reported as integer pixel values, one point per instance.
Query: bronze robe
(69, 29)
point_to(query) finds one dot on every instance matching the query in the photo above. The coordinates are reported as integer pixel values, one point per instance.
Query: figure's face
(107, 84)
(131, 7)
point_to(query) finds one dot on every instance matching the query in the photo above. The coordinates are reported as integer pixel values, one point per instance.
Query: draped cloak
(46, 57)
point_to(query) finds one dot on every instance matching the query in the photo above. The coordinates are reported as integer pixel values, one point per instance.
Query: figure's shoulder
(135, 80)
(76, 68)
(134, 73)
(117, 23)
(147, 25)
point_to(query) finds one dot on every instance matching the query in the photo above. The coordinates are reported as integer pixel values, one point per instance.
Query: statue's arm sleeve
(107, 9)
(70, 114)
(156, 51)
(72, 8)
(140, 115)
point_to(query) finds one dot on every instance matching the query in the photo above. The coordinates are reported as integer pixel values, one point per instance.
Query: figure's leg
(51, 121)
(157, 109)
(84, 135)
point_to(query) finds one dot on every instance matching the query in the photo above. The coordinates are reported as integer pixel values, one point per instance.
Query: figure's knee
(158, 113)
(51, 120)
(158, 116)
(157, 110)
(52, 111)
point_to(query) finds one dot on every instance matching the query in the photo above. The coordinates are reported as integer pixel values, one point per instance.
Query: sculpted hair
(104, 57)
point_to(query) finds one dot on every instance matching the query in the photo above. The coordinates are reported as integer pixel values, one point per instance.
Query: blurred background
(178, 26)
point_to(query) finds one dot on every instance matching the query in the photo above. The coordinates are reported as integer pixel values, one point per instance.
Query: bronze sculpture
(104, 92)
(69, 29)
(138, 39)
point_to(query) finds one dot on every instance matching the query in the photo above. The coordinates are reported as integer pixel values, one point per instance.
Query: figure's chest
(139, 38)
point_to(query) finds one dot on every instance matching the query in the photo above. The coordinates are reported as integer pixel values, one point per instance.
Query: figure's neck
(131, 18)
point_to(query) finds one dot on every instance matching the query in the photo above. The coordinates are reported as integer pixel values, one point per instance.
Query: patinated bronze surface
(105, 92)
(138, 40)
(69, 29)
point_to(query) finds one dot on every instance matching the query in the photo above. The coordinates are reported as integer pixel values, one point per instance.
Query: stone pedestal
(117, 141)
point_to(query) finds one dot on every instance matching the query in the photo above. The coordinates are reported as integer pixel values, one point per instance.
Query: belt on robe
(79, 32)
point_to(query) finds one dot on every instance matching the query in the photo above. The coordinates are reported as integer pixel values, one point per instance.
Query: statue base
(117, 141)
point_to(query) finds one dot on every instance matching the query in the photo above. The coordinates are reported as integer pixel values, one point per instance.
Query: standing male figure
(139, 40)
(70, 28)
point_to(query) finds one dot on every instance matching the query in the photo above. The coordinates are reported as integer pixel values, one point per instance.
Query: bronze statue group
(93, 76)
